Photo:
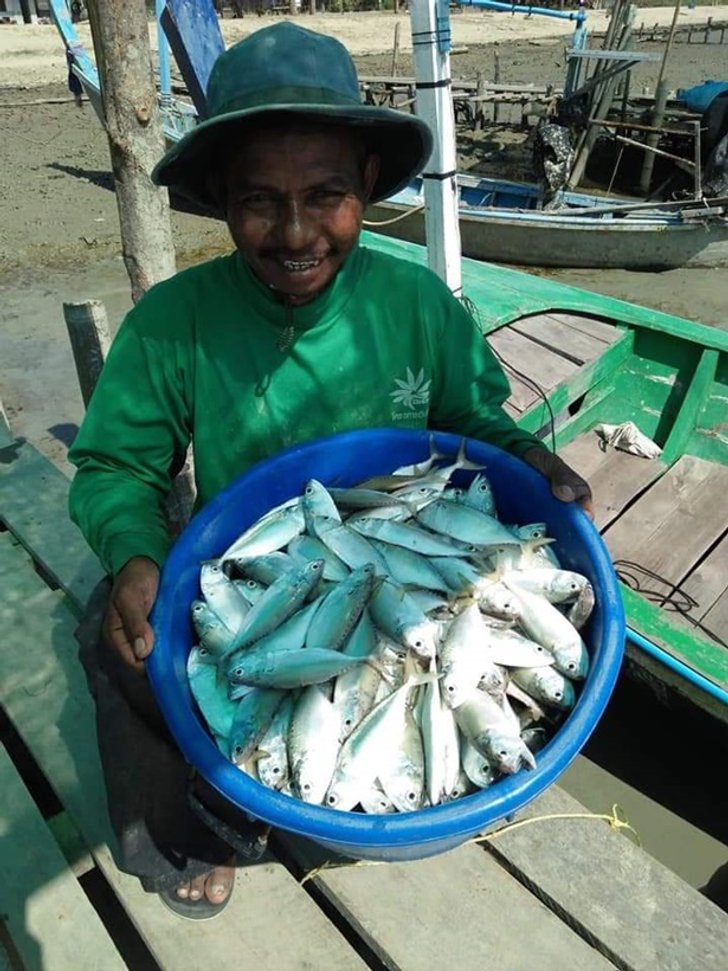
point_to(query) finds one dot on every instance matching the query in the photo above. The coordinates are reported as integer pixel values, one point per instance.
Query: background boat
(502, 221)
(506, 222)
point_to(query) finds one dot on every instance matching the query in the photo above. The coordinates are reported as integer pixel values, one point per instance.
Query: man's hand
(126, 626)
(566, 484)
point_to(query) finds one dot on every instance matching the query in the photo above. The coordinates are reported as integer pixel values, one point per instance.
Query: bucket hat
(286, 70)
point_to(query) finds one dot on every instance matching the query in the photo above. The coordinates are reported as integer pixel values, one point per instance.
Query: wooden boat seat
(653, 521)
(544, 350)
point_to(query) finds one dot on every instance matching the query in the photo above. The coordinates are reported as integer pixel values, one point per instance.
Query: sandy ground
(59, 207)
(59, 229)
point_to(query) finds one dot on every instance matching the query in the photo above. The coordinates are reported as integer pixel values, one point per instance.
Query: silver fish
(348, 544)
(272, 761)
(313, 740)
(399, 617)
(305, 548)
(222, 596)
(546, 624)
(253, 715)
(463, 523)
(401, 534)
(265, 569)
(270, 533)
(278, 603)
(465, 661)
(403, 776)
(291, 669)
(483, 721)
(363, 753)
(209, 692)
(546, 685)
(339, 611)
(212, 634)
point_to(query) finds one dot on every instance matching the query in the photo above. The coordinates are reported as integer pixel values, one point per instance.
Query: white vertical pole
(430, 22)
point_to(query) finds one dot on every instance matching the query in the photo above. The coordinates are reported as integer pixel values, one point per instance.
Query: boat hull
(546, 239)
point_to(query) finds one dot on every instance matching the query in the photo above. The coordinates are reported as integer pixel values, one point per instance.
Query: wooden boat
(587, 359)
(506, 222)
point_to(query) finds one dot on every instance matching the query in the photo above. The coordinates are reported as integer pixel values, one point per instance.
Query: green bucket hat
(289, 70)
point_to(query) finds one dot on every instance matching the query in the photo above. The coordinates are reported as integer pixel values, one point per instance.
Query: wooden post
(121, 40)
(88, 331)
(648, 163)
(697, 153)
(708, 28)
(668, 46)
(496, 80)
(292, 11)
(395, 50)
(478, 109)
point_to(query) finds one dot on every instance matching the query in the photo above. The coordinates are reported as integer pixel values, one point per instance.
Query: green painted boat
(576, 360)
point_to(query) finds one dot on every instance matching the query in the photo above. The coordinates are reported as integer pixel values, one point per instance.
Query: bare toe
(219, 883)
(197, 887)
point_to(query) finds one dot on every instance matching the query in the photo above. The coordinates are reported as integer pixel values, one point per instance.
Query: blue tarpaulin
(700, 98)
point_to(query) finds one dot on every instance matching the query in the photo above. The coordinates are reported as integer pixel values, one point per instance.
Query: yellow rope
(617, 821)
(394, 219)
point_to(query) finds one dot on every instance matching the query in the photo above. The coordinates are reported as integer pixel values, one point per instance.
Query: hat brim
(402, 142)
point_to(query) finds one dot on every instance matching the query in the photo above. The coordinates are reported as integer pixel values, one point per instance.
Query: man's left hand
(566, 485)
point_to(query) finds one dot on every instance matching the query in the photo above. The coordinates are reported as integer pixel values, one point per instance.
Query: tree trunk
(136, 142)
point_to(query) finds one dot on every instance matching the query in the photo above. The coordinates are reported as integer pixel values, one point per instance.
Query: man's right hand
(126, 625)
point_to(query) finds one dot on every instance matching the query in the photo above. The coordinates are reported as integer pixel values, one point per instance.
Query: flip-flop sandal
(201, 909)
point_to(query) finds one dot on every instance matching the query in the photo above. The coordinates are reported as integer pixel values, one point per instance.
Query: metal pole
(165, 68)
(431, 42)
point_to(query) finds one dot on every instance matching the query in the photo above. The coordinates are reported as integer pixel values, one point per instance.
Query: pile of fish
(390, 646)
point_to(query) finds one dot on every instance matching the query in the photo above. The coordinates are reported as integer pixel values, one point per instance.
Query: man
(300, 332)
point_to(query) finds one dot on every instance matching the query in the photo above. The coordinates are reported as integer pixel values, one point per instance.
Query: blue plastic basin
(522, 496)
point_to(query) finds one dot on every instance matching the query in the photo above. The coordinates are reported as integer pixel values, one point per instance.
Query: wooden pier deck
(564, 892)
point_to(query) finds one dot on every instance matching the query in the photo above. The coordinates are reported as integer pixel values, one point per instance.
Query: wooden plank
(615, 477)
(599, 329)
(49, 917)
(666, 530)
(560, 337)
(457, 910)
(43, 690)
(543, 367)
(33, 506)
(708, 582)
(716, 620)
(684, 425)
(632, 908)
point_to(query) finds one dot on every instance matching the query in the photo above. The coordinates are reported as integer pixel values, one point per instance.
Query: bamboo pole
(656, 119)
(395, 49)
(121, 40)
(668, 45)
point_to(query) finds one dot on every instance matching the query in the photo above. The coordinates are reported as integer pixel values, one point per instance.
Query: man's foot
(205, 896)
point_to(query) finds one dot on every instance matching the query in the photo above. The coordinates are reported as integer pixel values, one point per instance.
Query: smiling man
(302, 331)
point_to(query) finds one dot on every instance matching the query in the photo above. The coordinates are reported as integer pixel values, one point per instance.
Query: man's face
(294, 206)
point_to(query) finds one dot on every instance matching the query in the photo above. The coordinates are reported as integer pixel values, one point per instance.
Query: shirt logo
(411, 392)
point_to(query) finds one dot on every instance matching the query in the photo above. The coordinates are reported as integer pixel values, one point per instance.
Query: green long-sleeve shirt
(206, 357)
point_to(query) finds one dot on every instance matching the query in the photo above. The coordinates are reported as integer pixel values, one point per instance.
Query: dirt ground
(59, 208)
(59, 228)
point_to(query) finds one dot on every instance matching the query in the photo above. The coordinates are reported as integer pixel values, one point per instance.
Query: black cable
(472, 309)
(628, 571)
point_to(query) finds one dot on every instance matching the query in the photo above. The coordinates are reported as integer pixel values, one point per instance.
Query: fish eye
(331, 800)
(250, 584)
(348, 721)
(411, 797)
(237, 672)
(306, 787)
(275, 770)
